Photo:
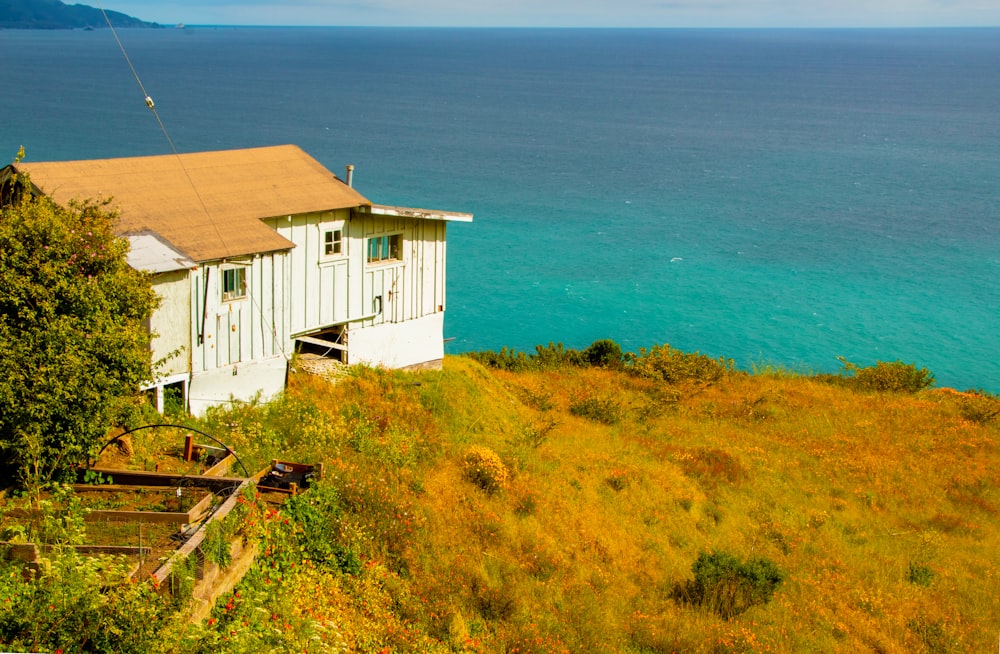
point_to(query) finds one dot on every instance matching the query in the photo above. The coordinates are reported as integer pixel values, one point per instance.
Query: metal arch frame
(130, 431)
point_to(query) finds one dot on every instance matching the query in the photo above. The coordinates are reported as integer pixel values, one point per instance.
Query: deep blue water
(779, 197)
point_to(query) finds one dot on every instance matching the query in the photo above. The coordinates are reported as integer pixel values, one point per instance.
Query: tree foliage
(73, 343)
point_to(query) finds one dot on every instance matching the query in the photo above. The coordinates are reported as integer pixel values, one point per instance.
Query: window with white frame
(333, 242)
(388, 247)
(234, 283)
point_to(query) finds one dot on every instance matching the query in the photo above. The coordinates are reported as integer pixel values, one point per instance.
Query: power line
(163, 128)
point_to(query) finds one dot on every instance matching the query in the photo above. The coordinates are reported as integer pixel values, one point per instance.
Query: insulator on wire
(149, 102)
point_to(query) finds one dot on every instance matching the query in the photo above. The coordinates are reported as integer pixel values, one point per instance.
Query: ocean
(779, 197)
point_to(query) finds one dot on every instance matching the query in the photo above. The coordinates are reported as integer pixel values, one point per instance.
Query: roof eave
(421, 214)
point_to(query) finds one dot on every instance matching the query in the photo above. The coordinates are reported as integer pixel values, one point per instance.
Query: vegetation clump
(980, 406)
(604, 410)
(728, 586)
(73, 346)
(660, 362)
(604, 353)
(883, 377)
(664, 363)
(484, 468)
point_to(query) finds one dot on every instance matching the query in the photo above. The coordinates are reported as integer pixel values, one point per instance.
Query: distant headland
(54, 14)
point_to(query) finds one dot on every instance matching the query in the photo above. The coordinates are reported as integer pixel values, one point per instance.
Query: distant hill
(54, 14)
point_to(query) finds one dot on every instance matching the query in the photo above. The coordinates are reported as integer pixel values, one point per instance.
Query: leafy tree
(73, 345)
(604, 353)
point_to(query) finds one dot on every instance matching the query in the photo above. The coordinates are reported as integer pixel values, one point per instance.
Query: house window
(385, 248)
(234, 283)
(333, 242)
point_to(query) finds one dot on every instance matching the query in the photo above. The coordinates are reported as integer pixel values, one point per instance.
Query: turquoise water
(779, 197)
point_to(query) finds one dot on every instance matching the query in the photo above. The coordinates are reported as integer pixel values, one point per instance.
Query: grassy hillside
(561, 508)
(879, 509)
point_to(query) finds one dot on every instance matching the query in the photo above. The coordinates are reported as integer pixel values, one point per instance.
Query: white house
(261, 251)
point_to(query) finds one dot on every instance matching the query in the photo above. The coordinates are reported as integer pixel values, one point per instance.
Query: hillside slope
(567, 508)
(880, 511)
(54, 14)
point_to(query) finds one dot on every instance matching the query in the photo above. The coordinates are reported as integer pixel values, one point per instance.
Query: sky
(568, 13)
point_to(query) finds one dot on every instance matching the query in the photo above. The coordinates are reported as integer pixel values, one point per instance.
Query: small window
(385, 248)
(234, 283)
(333, 242)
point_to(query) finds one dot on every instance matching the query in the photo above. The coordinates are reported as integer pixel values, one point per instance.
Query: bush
(979, 406)
(505, 359)
(73, 348)
(662, 362)
(919, 574)
(606, 411)
(483, 467)
(727, 586)
(604, 353)
(553, 355)
(889, 377)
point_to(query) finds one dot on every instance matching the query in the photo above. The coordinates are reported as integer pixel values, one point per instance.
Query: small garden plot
(26, 529)
(112, 503)
(165, 449)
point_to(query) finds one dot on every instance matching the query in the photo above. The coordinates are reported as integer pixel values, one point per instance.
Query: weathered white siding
(399, 345)
(343, 289)
(319, 285)
(407, 289)
(170, 324)
(240, 345)
(227, 332)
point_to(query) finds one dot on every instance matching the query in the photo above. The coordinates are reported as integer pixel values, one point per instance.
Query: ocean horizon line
(592, 28)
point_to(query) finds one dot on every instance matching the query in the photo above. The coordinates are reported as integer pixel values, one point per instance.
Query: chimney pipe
(350, 175)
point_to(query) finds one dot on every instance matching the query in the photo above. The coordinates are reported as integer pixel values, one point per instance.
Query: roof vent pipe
(350, 175)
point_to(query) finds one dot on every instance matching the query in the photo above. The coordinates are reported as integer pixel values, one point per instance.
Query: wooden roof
(207, 205)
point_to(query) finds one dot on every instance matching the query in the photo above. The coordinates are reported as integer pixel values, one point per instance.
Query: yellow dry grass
(603, 512)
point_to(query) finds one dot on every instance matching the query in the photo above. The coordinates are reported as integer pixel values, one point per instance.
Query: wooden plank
(119, 488)
(221, 467)
(127, 550)
(142, 478)
(219, 582)
(321, 342)
(136, 516)
(188, 548)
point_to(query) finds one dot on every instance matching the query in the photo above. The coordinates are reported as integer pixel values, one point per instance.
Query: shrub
(727, 586)
(73, 348)
(662, 362)
(483, 467)
(505, 359)
(979, 406)
(604, 353)
(919, 574)
(317, 519)
(80, 604)
(891, 377)
(711, 465)
(606, 411)
(554, 355)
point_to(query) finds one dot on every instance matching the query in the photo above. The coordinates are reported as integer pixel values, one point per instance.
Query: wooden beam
(321, 342)
(141, 478)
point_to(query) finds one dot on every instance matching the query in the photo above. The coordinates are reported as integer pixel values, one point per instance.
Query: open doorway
(327, 344)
